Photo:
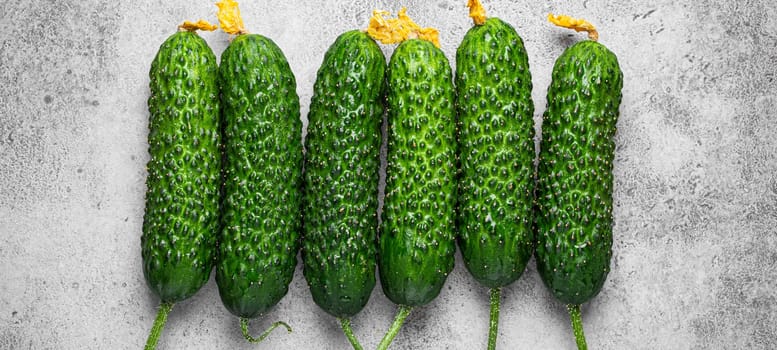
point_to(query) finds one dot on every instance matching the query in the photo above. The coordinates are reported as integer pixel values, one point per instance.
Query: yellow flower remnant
(199, 25)
(477, 12)
(579, 25)
(229, 17)
(396, 30)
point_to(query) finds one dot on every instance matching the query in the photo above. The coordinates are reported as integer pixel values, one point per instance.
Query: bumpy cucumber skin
(262, 176)
(180, 224)
(417, 242)
(574, 187)
(496, 147)
(341, 175)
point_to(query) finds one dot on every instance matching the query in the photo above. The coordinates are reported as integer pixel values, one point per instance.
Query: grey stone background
(695, 262)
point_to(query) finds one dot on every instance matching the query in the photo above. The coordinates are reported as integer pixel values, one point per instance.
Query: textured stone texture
(695, 246)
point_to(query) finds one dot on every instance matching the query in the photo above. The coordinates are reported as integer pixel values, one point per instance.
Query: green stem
(244, 328)
(394, 329)
(346, 324)
(493, 325)
(159, 325)
(577, 326)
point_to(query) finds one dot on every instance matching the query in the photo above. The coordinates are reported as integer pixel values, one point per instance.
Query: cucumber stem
(394, 329)
(159, 325)
(577, 326)
(249, 338)
(493, 325)
(346, 324)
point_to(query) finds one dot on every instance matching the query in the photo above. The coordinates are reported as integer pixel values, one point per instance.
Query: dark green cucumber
(181, 223)
(496, 151)
(574, 187)
(341, 175)
(417, 240)
(262, 176)
(496, 140)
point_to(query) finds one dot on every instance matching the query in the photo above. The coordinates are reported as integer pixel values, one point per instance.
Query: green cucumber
(341, 175)
(496, 151)
(180, 224)
(574, 186)
(262, 176)
(417, 242)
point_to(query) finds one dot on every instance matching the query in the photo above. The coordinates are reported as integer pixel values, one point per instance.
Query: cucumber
(574, 187)
(496, 187)
(496, 151)
(262, 176)
(181, 219)
(342, 164)
(341, 175)
(417, 241)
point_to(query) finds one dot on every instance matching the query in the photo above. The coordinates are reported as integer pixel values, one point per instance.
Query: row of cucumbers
(226, 186)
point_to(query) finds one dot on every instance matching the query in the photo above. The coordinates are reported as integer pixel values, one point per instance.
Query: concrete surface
(695, 262)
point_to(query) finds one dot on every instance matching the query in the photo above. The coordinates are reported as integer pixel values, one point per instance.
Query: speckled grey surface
(695, 262)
